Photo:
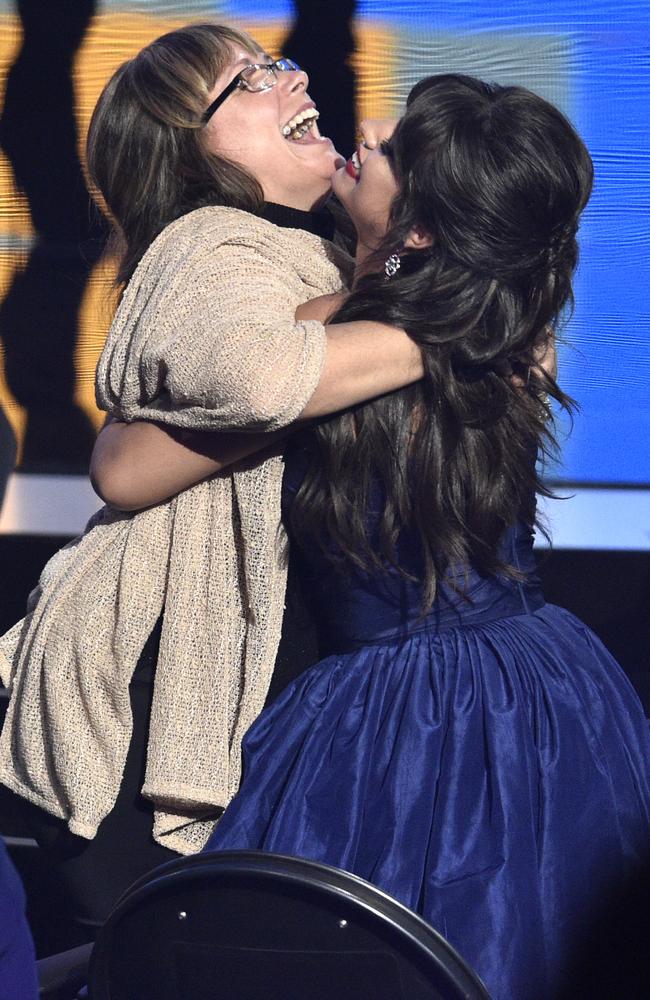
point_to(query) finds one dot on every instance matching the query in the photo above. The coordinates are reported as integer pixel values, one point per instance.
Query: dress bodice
(354, 608)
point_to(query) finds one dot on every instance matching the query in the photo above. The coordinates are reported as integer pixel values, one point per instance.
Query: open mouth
(353, 166)
(301, 125)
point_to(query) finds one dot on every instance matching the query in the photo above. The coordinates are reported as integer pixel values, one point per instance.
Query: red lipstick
(352, 170)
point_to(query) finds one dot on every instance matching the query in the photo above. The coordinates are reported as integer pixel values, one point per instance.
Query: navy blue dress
(487, 765)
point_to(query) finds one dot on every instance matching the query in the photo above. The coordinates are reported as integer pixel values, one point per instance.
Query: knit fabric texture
(205, 337)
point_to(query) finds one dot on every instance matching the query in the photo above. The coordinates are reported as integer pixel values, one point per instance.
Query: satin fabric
(487, 765)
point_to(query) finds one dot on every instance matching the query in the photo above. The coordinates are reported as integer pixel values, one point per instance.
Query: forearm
(141, 464)
(363, 360)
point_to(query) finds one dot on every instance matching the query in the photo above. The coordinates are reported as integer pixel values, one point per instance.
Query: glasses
(255, 78)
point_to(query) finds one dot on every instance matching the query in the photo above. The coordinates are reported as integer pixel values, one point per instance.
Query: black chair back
(245, 925)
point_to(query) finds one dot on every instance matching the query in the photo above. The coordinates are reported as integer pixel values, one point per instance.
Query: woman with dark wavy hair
(467, 747)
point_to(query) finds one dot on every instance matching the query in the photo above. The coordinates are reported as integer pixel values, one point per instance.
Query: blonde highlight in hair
(146, 151)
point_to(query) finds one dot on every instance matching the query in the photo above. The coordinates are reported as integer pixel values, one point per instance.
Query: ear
(418, 239)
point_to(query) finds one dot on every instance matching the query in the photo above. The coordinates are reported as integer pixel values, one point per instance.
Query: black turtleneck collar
(319, 223)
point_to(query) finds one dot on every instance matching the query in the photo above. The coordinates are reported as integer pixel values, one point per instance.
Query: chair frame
(421, 942)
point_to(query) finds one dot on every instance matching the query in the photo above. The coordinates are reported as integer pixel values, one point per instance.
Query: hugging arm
(139, 464)
(227, 353)
(142, 463)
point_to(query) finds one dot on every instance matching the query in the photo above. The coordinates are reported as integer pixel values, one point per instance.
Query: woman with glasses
(467, 747)
(150, 643)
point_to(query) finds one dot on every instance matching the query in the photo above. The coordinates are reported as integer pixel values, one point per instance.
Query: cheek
(375, 195)
(387, 189)
(247, 129)
(250, 150)
(344, 188)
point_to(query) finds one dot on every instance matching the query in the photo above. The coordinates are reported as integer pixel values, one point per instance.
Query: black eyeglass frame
(239, 81)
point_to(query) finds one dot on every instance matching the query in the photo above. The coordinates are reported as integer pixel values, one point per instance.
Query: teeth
(355, 160)
(300, 124)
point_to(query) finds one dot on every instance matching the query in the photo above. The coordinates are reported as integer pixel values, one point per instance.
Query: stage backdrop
(592, 58)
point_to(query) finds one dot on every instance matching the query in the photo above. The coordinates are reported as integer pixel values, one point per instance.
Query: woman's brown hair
(146, 154)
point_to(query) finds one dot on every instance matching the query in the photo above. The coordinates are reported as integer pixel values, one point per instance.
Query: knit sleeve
(215, 343)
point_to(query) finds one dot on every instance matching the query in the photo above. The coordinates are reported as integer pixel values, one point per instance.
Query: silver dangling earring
(392, 266)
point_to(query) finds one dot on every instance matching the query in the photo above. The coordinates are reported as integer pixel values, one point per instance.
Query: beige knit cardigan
(204, 337)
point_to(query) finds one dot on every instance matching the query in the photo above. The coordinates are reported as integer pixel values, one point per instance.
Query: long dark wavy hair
(146, 153)
(498, 177)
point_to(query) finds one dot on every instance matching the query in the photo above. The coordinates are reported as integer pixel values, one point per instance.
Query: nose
(373, 130)
(293, 80)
